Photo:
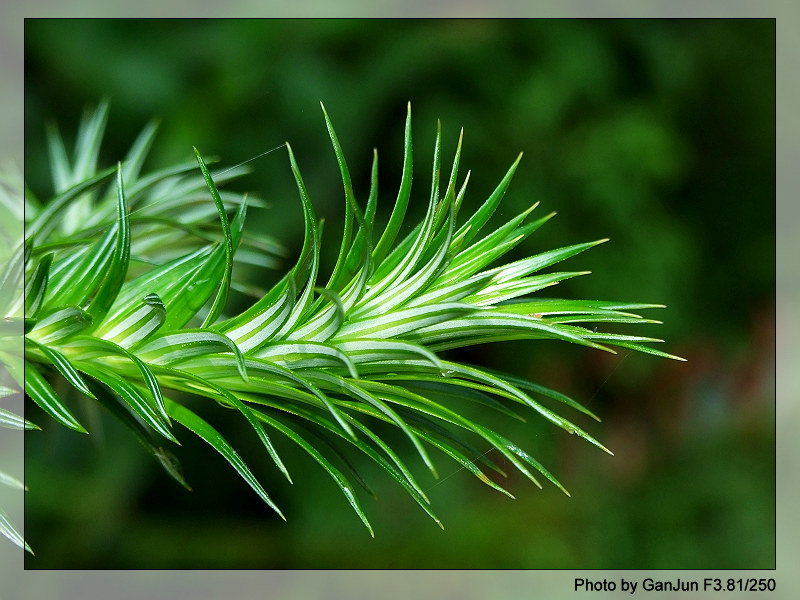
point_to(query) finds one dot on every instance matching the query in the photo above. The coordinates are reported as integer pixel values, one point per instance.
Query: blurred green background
(659, 134)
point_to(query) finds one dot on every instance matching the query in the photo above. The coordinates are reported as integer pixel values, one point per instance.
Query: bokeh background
(657, 134)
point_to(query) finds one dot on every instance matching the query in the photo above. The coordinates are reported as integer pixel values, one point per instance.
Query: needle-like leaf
(222, 293)
(202, 429)
(37, 388)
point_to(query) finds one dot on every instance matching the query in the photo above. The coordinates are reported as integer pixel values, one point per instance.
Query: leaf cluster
(128, 277)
